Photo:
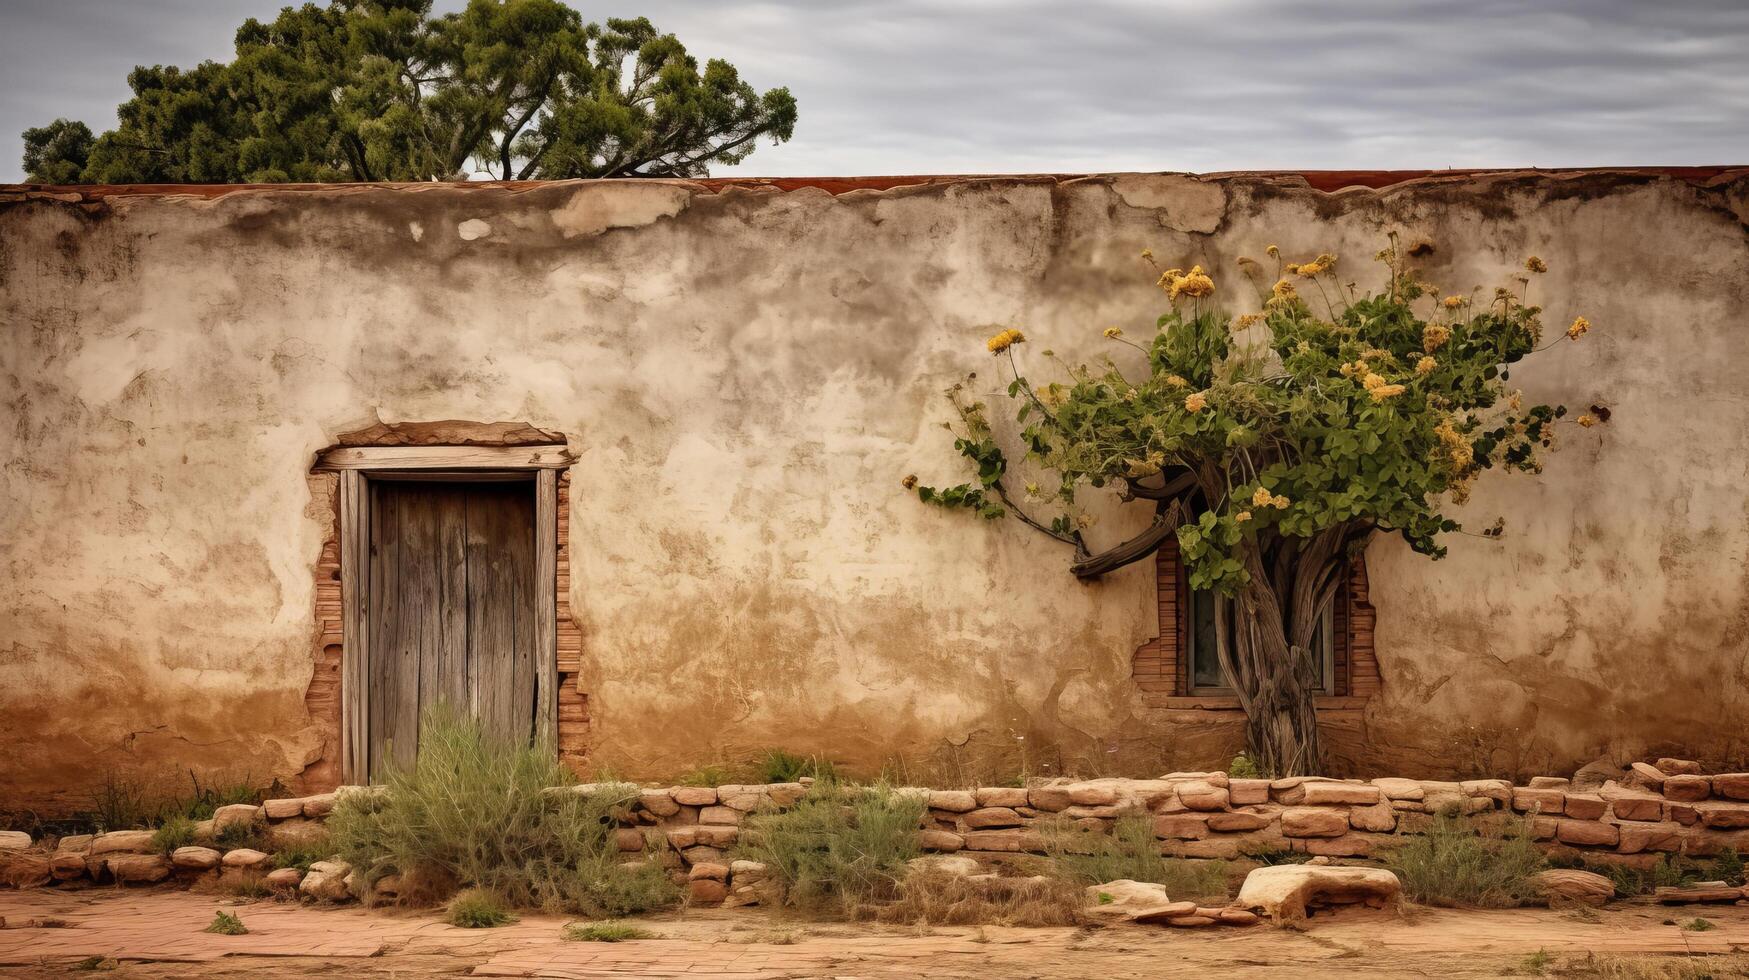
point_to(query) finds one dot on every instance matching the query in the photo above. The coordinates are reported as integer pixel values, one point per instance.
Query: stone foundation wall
(1651, 810)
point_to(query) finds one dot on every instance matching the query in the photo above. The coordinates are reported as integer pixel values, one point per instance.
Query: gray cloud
(956, 86)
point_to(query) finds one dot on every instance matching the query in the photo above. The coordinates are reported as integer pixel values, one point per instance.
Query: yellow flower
(1452, 302)
(1316, 267)
(1176, 381)
(1245, 320)
(1586, 421)
(1373, 382)
(1261, 498)
(1148, 253)
(1577, 330)
(1053, 395)
(1283, 290)
(909, 482)
(1292, 268)
(1383, 392)
(1112, 333)
(1272, 251)
(1005, 340)
(1195, 283)
(1241, 517)
(1425, 366)
(1434, 336)
(1194, 402)
(1535, 264)
(1278, 502)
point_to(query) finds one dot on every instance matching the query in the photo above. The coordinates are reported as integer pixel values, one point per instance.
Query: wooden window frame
(357, 465)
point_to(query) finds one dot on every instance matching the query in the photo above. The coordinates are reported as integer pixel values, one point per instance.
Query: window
(1205, 659)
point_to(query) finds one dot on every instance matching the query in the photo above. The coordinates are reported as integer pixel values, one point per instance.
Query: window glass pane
(1205, 660)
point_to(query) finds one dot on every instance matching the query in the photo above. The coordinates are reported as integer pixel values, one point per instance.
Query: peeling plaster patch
(595, 208)
(1189, 204)
(417, 230)
(473, 228)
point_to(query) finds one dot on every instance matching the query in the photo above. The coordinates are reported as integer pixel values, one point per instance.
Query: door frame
(356, 466)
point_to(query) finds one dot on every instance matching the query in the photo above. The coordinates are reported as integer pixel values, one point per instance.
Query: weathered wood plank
(355, 593)
(500, 548)
(444, 457)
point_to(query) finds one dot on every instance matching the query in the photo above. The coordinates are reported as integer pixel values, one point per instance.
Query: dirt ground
(158, 934)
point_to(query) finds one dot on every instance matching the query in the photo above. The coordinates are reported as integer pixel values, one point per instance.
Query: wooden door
(453, 609)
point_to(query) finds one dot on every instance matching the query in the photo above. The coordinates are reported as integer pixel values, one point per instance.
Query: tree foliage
(1273, 445)
(383, 90)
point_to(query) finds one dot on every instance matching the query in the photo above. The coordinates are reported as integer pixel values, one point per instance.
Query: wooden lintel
(444, 458)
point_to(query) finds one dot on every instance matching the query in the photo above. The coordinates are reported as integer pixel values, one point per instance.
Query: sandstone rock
(1239, 821)
(743, 798)
(1313, 822)
(1550, 782)
(1544, 801)
(282, 809)
(1585, 806)
(716, 872)
(1646, 774)
(1283, 892)
(1117, 899)
(785, 794)
(694, 795)
(721, 815)
(993, 840)
(1238, 917)
(1723, 816)
(956, 865)
(702, 855)
(75, 843)
(285, 879)
(1050, 799)
(1683, 814)
(327, 881)
(1201, 795)
(1687, 787)
(1400, 789)
(1638, 838)
(658, 802)
(681, 838)
(1583, 887)
(25, 869)
(1672, 767)
(720, 837)
(130, 869)
(1158, 914)
(628, 839)
(1214, 850)
(243, 857)
(236, 815)
(1326, 794)
(296, 832)
(1242, 792)
(121, 842)
(1586, 833)
(1093, 793)
(1008, 796)
(1732, 785)
(952, 800)
(992, 816)
(747, 872)
(706, 891)
(318, 806)
(1498, 790)
(1379, 818)
(195, 858)
(1182, 826)
(1348, 845)
(1629, 803)
(939, 840)
(14, 840)
(67, 865)
(1093, 812)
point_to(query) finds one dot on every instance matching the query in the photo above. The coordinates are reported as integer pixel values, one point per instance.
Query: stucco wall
(745, 375)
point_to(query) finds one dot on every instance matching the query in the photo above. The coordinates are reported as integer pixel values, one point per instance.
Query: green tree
(383, 90)
(1273, 446)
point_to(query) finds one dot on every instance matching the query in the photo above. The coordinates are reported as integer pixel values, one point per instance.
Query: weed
(1699, 925)
(1130, 851)
(479, 811)
(250, 886)
(96, 963)
(711, 774)
(118, 803)
(237, 835)
(1536, 964)
(172, 834)
(1243, 768)
(1727, 867)
(839, 846)
(478, 908)
(1269, 857)
(226, 924)
(303, 854)
(1594, 967)
(1458, 864)
(934, 898)
(778, 766)
(1666, 872)
(605, 932)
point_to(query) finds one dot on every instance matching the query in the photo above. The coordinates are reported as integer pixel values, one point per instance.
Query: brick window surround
(1163, 673)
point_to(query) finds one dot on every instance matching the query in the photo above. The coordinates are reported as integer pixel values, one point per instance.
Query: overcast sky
(1007, 86)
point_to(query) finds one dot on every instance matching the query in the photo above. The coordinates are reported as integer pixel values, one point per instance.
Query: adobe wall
(745, 373)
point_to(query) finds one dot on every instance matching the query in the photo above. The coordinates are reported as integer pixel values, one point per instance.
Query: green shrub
(235, 835)
(933, 898)
(226, 924)
(839, 846)
(711, 774)
(303, 854)
(205, 799)
(1243, 768)
(605, 932)
(487, 813)
(118, 803)
(778, 766)
(1130, 851)
(173, 833)
(1666, 872)
(1699, 925)
(1456, 863)
(1727, 867)
(478, 908)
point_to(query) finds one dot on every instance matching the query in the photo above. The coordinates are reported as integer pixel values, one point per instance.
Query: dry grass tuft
(1460, 864)
(935, 898)
(1593, 967)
